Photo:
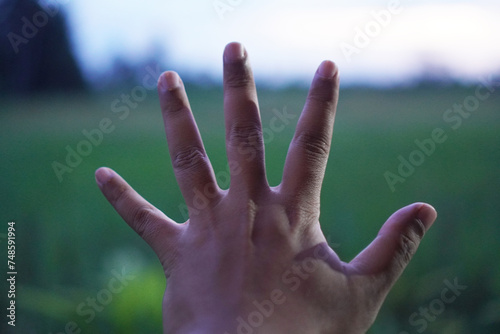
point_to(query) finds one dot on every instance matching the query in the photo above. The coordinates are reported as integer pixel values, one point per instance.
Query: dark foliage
(35, 52)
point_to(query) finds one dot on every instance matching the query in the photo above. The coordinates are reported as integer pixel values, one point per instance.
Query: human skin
(253, 258)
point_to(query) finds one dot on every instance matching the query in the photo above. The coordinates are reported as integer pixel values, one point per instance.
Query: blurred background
(418, 120)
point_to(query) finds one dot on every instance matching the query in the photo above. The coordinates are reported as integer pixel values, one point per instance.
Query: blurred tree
(35, 52)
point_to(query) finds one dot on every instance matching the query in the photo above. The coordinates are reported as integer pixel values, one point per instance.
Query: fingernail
(234, 52)
(169, 81)
(103, 175)
(327, 69)
(427, 215)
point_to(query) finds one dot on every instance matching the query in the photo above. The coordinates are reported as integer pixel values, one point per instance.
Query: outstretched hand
(253, 259)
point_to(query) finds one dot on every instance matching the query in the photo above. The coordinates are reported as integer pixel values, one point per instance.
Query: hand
(253, 258)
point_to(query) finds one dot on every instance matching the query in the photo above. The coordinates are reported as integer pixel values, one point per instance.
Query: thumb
(396, 243)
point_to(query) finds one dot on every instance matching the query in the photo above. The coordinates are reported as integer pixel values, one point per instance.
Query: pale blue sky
(288, 39)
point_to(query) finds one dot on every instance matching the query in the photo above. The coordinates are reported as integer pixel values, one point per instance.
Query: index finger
(191, 164)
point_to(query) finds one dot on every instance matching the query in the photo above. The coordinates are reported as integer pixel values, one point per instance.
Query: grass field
(71, 243)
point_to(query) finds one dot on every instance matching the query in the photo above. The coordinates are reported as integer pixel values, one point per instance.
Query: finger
(244, 143)
(308, 152)
(159, 231)
(396, 243)
(192, 167)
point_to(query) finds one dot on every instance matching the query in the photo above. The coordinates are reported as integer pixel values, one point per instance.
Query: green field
(70, 242)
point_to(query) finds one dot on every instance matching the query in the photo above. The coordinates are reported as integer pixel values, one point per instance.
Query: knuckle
(118, 194)
(239, 80)
(177, 107)
(246, 136)
(323, 93)
(409, 241)
(143, 221)
(325, 100)
(406, 248)
(237, 75)
(315, 145)
(189, 158)
(418, 228)
(322, 101)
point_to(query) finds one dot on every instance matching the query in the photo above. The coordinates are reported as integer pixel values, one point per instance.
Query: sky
(372, 41)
